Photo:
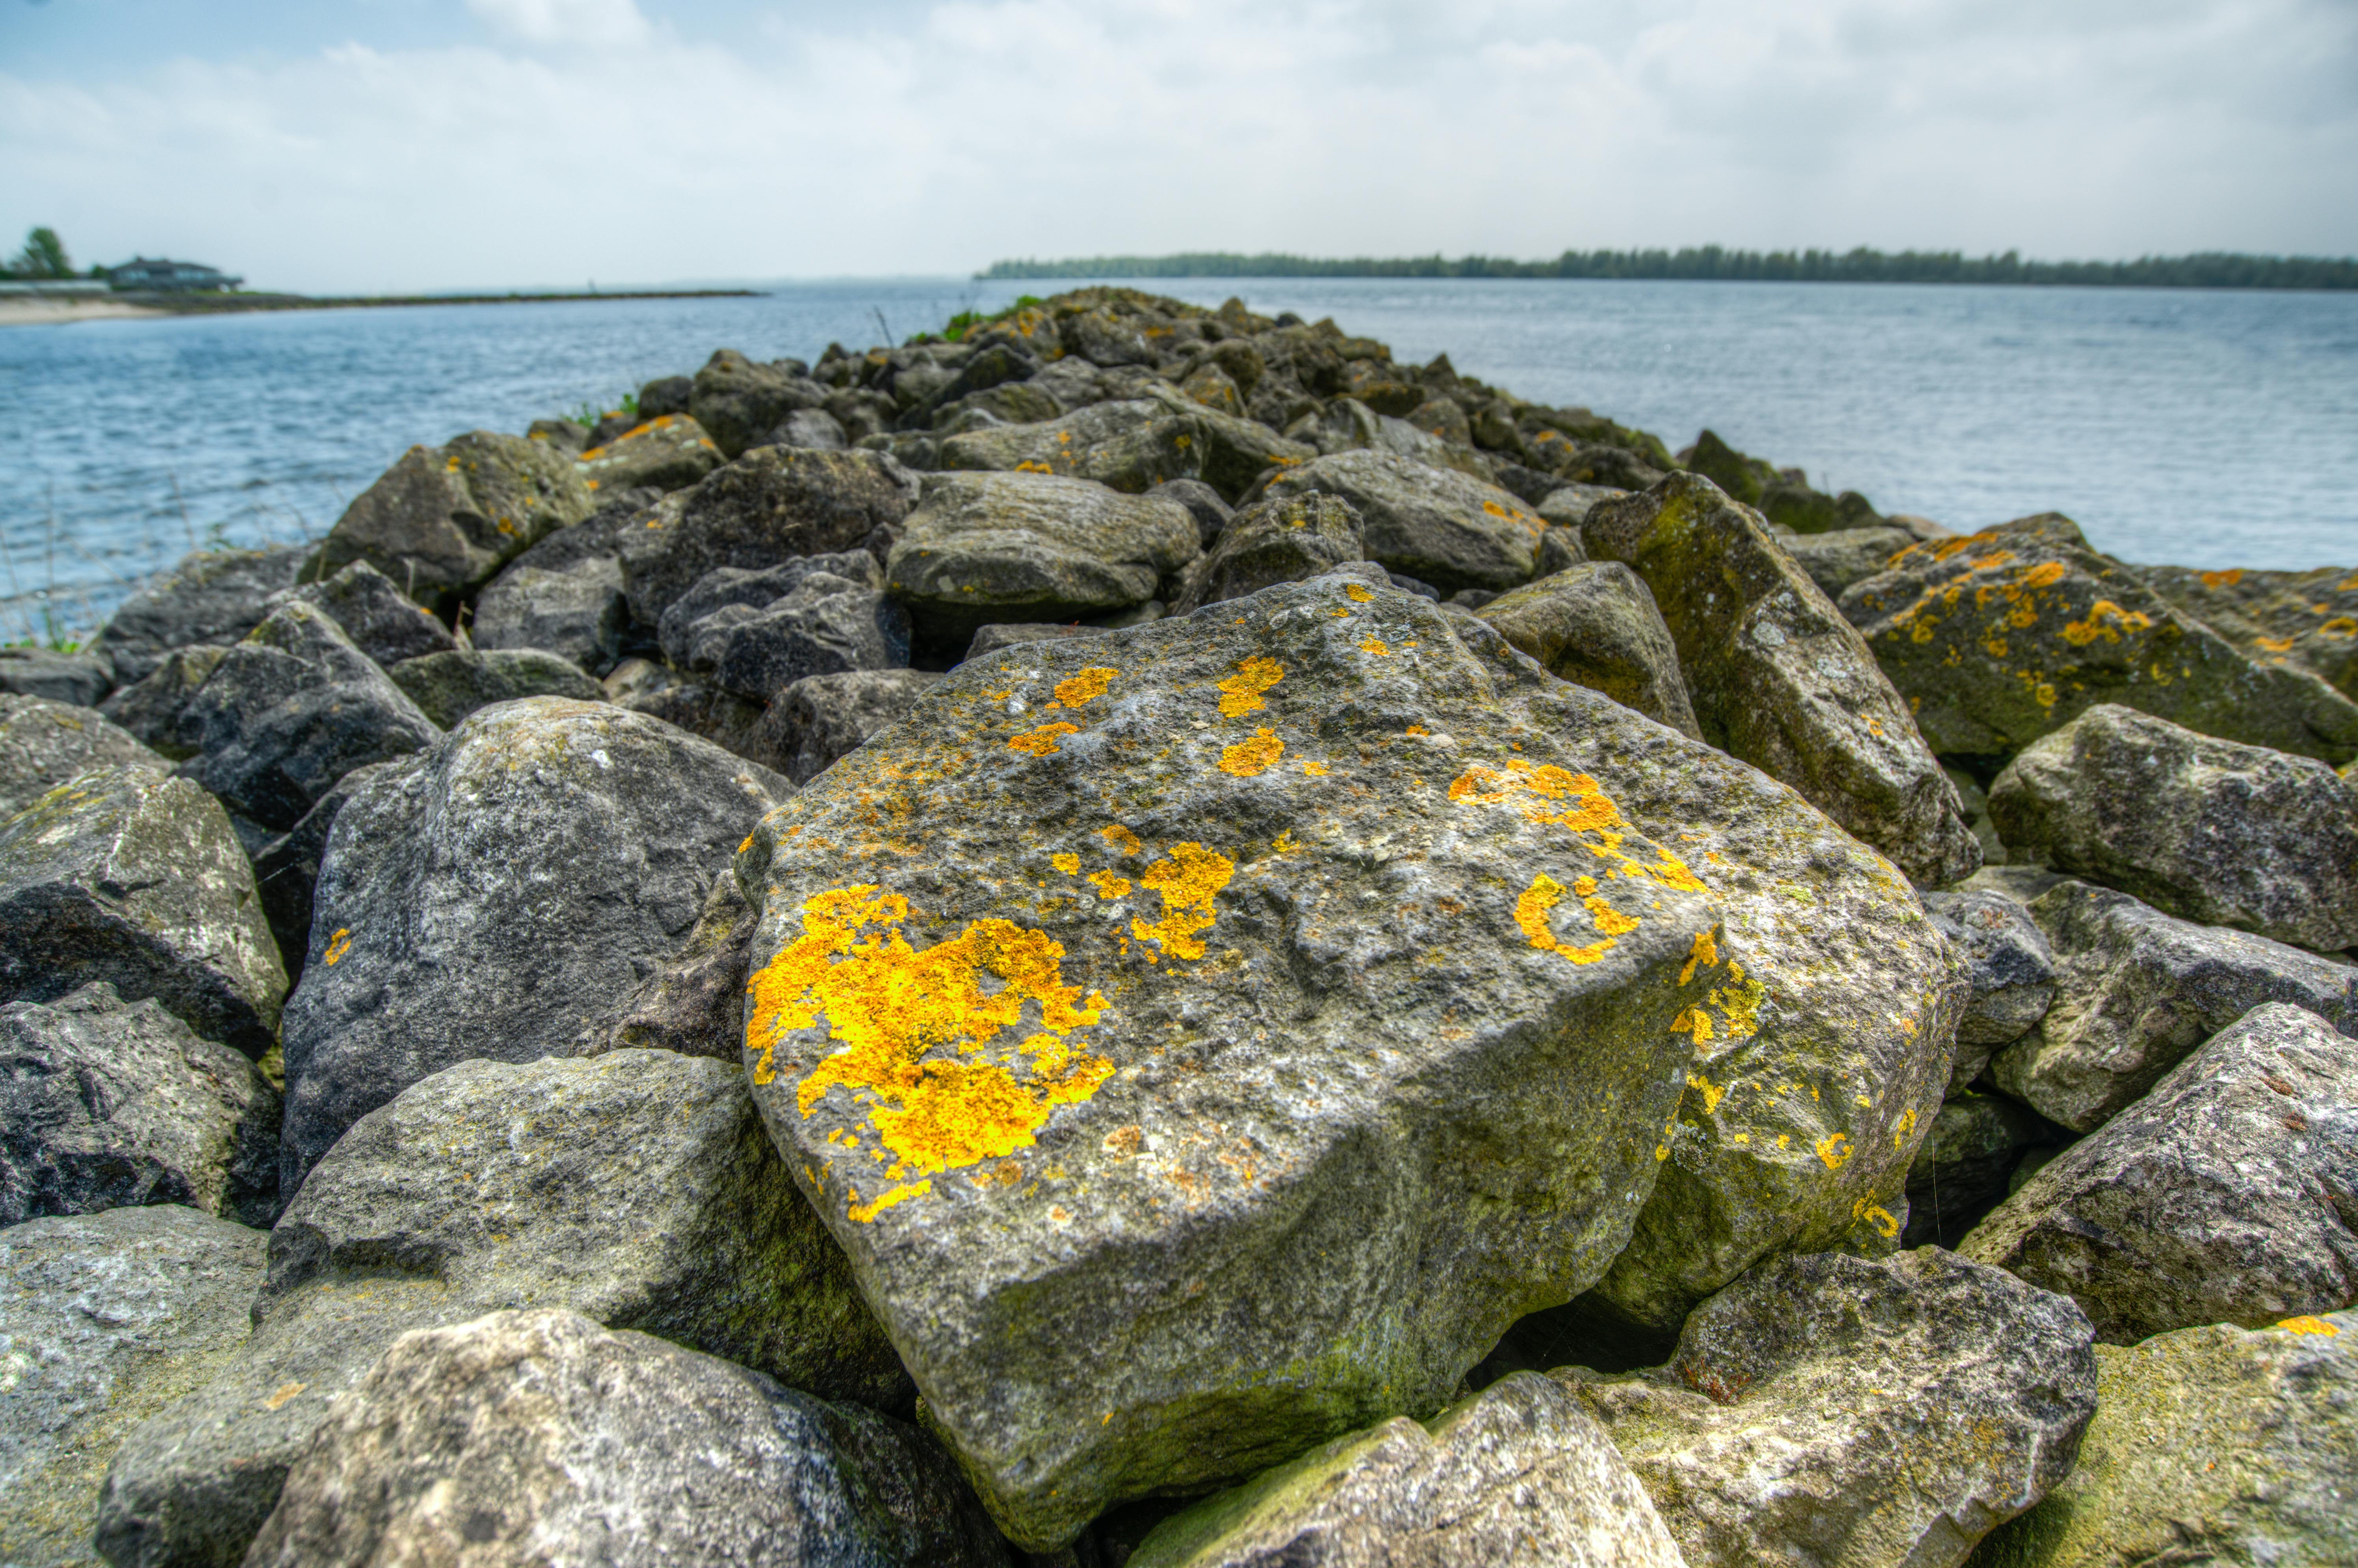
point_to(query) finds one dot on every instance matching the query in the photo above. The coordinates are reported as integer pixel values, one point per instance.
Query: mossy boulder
(443, 519)
(2000, 637)
(44, 744)
(1271, 542)
(1780, 679)
(1178, 1030)
(668, 453)
(1595, 624)
(448, 687)
(737, 403)
(2308, 620)
(1431, 524)
(381, 622)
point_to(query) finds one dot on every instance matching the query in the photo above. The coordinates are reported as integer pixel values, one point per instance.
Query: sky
(412, 145)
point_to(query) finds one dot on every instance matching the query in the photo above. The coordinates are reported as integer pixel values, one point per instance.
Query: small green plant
(587, 414)
(966, 321)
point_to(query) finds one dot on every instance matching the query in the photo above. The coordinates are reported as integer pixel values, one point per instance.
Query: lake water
(2205, 429)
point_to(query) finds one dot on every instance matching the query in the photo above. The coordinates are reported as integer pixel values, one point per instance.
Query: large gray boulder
(1838, 558)
(983, 548)
(669, 452)
(527, 1438)
(2215, 1445)
(1133, 444)
(130, 877)
(726, 588)
(1780, 679)
(636, 1187)
(2221, 1197)
(442, 519)
(819, 718)
(448, 687)
(381, 622)
(2210, 829)
(1835, 1410)
(288, 712)
(1595, 624)
(2136, 991)
(739, 402)
(1518, 1474)
(212, 598)
(44, 744)
(823, 625)
(106, 1104)
(2006, 635)
(488, 897)
(2309, 619)
(770, 505)
(2008, 965)
(1274, 542)
(107, 1318)
(78, 680)
(565, 594)
(151, 709)
(1431, 524)
(694, 1002)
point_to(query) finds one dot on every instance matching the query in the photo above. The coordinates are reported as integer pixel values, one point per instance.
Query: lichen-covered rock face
(1965, 1167)
(1519, 1474)
(1595, 624)
(489, 897)
(2009, 968)
(1176, 1027)
(771, 504)
(982, 547)
(1132, 445)
(737, 403)
(381, 622)
(44, 744)
(565, 594)
(2136, 991)
(2212, 1444)
(1846, 555)
(2004, 635)
(1274, 542)
(2308, 620)
(448, 687)
(211, 599)
(288, 712)
(637, 1187)
(1434, 524)
(534, 1437)
(443, 519)
(108, 1318)
(2223, 833)
(670, 452)
(78, 680)
(1778, 679)
(127, 876)
(286, 869)
(1830, 1410)
(150, 708)
(820, 719)
(2221, 1197)
(105, 1104)
(732, 587)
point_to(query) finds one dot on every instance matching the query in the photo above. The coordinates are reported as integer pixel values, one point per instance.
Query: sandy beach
(53, 312)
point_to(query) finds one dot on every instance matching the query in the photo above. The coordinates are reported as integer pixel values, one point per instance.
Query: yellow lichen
(1705, 951)
(1358, 594)
(1085, 687)
(1373, 645)
(1712, 1093)
(1315, 770)
(2221, 579)
(1042, 741)
(1834, 1149)
(891, 1005)
(1693, 1021)
(1247, 758)
(1531, 913)
(1069, 864)
(1122, 838)
(1886, 1223)
(1241, 692)
(1188, 882)
(337, 945)
(865, 1212)
(2105, 620)
(1739, 1003)
(1108, 886)
(2307, 1324)
(2045, 575)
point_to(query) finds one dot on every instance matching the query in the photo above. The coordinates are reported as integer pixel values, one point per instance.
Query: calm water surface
(2210, 429)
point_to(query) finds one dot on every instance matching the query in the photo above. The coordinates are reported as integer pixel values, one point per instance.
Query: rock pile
(1141, 934)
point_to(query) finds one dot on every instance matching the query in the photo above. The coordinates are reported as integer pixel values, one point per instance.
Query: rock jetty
(1139, 934)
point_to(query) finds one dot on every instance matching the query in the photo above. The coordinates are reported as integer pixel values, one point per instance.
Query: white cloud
(585, 141)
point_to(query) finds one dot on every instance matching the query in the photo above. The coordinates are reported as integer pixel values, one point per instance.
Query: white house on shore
(139, 273)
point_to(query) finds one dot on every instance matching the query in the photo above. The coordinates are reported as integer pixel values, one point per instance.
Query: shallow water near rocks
(2208, 428)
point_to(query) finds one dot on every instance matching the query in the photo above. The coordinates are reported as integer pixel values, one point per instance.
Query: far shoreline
(36, 310)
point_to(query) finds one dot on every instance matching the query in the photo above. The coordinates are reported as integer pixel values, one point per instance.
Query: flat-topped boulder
(44, 744)
(2308, 620)
(443, 519)
(1436, 525)
(669, 452)
(211, 599)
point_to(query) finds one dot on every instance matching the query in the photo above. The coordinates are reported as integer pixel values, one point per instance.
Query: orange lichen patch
(2340, 626)
(1356, 594)
(1042, 741)
(1886, 1223)
(2275, 644)
(1531, 913)
(1285, 843)
(1418, 729)
(1108, 886)
(864, 1212)
(1315, 770)
(1122, 838)
(2221, 579)
(1373, 645)
(1712, 1093)
(1994, 646)
(1031, 465)
(1069, 864)
(283, 1392)
(1257, 755)
(337, 945)
(1241, 692)
(1834, 1150)
(1188, 881)
(2047, 574)
(892, 1006)
(1739, 1003)
(1592, 812)
(1949, 548)
(2307, 1324)
(1085, 687)
(1705, 951)
(2105, 620)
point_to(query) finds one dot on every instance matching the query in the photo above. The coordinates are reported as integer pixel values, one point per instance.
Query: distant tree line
(2211, 269)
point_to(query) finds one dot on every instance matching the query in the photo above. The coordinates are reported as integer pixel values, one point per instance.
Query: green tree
(44, 255)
